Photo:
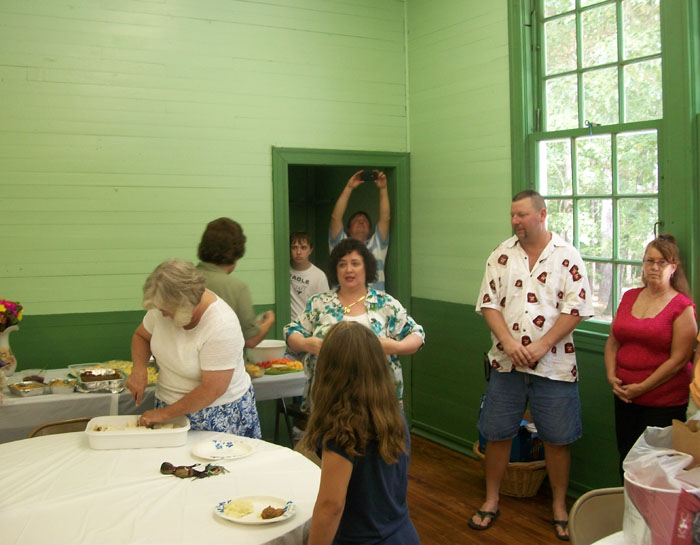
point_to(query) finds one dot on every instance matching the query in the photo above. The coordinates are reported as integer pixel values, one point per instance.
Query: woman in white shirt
(197, 341)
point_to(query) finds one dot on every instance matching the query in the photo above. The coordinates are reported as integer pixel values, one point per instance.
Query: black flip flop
(561, 525)
(482, 516)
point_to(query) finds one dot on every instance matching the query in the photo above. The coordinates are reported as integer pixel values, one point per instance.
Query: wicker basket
(521, 479)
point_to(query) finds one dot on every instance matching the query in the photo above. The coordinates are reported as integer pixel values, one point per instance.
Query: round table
(56, 489)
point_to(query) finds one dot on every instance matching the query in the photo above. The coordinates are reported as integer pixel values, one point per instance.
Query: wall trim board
(56, 340)
(458, 444)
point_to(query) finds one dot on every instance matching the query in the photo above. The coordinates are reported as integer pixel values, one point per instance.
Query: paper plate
(259, 503)
(223, 449)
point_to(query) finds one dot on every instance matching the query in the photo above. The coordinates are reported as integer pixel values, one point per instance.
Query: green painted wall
(460, 143)
(126, 126)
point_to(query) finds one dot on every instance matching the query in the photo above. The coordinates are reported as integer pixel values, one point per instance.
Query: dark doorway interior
(306, 184)
(313, 190)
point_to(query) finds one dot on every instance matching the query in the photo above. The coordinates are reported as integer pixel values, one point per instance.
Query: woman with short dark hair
(222, 245)
(352, 268)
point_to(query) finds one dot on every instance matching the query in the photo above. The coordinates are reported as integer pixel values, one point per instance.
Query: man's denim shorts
(554, 405)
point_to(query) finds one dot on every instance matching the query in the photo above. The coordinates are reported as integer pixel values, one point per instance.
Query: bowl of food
(255, 371)
(33, 375)
(268, 349)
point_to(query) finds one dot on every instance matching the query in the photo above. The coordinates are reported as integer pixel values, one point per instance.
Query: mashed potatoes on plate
(238, 508)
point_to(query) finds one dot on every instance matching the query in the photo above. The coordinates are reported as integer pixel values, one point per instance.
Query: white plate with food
(223, 449)
(256, 509)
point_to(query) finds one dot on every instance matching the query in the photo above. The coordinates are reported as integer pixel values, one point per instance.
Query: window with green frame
(590, 101)
(598, 107)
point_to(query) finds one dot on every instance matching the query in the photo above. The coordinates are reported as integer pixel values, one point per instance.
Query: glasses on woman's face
(660, 263)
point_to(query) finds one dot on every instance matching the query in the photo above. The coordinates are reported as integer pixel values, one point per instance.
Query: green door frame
(400, 252)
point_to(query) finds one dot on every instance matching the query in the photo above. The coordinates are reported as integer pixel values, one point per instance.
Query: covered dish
(26, 388)
(100, 380)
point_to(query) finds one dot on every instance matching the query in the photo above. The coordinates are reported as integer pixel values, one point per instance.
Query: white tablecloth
(20, 415)
(57, 490)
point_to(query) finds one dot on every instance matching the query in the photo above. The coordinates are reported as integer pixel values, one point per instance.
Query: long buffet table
(20, 415)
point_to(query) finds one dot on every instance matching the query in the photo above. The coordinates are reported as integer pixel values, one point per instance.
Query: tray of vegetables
(281, 366)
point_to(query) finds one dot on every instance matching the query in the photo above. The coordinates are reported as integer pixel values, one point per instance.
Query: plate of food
(281, 366)
(256, 509)
(223, 449)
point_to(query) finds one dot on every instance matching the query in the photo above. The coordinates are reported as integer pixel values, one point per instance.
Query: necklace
(346, 309)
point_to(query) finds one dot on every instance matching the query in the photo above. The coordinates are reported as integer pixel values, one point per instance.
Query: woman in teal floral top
(352, 267)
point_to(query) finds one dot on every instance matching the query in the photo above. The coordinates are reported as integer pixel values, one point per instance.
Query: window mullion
(615, 288)
(579, 77)
(538, 53)
(620, 67)
(574, 187)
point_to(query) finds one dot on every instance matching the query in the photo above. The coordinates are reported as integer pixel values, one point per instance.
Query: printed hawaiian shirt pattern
(387, 318)
(532, 301)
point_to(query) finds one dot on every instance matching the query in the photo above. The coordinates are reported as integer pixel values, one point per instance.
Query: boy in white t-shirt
(305, 279)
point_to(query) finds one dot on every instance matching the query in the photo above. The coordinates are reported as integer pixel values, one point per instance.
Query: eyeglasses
(661, 263)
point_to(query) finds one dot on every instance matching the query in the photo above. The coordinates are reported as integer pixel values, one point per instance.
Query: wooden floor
(445, 488)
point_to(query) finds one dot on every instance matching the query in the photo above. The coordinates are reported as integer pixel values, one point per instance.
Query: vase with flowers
(10, 317)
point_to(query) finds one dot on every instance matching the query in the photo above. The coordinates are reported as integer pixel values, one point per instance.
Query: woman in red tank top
(648, 353)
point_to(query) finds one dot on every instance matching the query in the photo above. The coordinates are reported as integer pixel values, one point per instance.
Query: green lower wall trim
(53, 341)
(448, 382)
(455, 443)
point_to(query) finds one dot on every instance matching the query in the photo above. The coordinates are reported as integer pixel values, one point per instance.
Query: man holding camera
(359, 225)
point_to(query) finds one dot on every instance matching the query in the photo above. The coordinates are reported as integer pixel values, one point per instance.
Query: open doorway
(306, 184)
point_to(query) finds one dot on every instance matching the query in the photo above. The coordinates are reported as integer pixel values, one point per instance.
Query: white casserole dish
(133, 436)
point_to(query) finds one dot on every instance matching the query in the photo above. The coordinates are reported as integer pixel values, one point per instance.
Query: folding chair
(596, 514)
(60, 426)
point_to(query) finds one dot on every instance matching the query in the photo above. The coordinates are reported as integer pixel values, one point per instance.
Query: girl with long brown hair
(362, 438)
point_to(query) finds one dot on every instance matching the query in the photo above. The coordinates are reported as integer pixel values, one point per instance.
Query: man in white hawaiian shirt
(360, 226)
(533, 295)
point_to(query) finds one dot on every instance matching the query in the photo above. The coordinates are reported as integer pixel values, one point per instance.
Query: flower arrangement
(10, 313)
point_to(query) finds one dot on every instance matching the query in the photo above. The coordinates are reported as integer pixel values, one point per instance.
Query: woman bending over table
(197, 342)
(352, 267)
(648, 352)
